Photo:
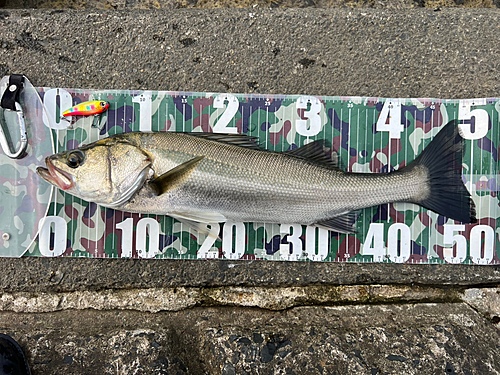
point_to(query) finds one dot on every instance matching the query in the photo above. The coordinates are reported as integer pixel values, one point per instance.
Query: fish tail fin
(442, 159)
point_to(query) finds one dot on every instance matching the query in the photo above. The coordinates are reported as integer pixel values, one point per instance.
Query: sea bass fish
(210, 178)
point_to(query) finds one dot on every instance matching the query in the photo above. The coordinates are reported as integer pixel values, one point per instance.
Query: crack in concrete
(177, 299)
(485, 302)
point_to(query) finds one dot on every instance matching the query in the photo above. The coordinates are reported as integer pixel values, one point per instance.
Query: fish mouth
(55, 176)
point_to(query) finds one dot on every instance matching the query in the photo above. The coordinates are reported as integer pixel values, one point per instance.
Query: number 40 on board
(454, 244)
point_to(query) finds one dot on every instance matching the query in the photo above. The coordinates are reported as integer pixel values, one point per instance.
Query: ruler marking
(356, 250)
(490, 171)
(98, 208)
(348, 143)
(497, 177)
(158, 114)
(430, 219)
(258, 137)
(365, 211)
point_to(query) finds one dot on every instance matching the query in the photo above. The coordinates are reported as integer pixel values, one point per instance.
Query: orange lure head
(93, 107)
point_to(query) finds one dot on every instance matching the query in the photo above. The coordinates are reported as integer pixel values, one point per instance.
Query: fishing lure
(93, 107)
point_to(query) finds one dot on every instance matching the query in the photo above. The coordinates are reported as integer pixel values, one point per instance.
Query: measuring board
(372, 135)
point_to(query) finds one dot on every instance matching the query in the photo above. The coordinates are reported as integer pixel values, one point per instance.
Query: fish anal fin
(345, 223)
(315, 152)
(162, 183)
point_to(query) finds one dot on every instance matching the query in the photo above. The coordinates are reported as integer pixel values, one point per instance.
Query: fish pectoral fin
(345, 223)
(162, 183)
(316, 153)
(201, 222)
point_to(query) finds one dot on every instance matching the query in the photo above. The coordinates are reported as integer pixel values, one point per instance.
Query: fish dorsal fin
(345, 223)
(315, 152)
(241, 140)
(162, 183)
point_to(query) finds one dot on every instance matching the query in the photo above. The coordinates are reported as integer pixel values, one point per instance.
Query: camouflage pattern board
(370, 135)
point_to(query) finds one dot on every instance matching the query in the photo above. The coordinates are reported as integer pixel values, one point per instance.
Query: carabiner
(5, 136)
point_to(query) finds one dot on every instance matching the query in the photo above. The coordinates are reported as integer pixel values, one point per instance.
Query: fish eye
(103, 104)
(75, 159)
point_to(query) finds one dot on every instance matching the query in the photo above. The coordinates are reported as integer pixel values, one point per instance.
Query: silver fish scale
(251, 185)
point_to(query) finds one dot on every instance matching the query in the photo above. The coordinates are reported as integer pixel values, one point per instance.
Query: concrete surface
(420, 53)
(85, 316)
(211, 4)
(383, 339)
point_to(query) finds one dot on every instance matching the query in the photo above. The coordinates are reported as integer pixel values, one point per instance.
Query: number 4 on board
(391, 111)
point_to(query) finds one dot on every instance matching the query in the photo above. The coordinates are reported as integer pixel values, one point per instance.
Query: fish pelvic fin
(164, 182)
(442, 159)
(345, 223)
(202, 222)
(199, 217)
